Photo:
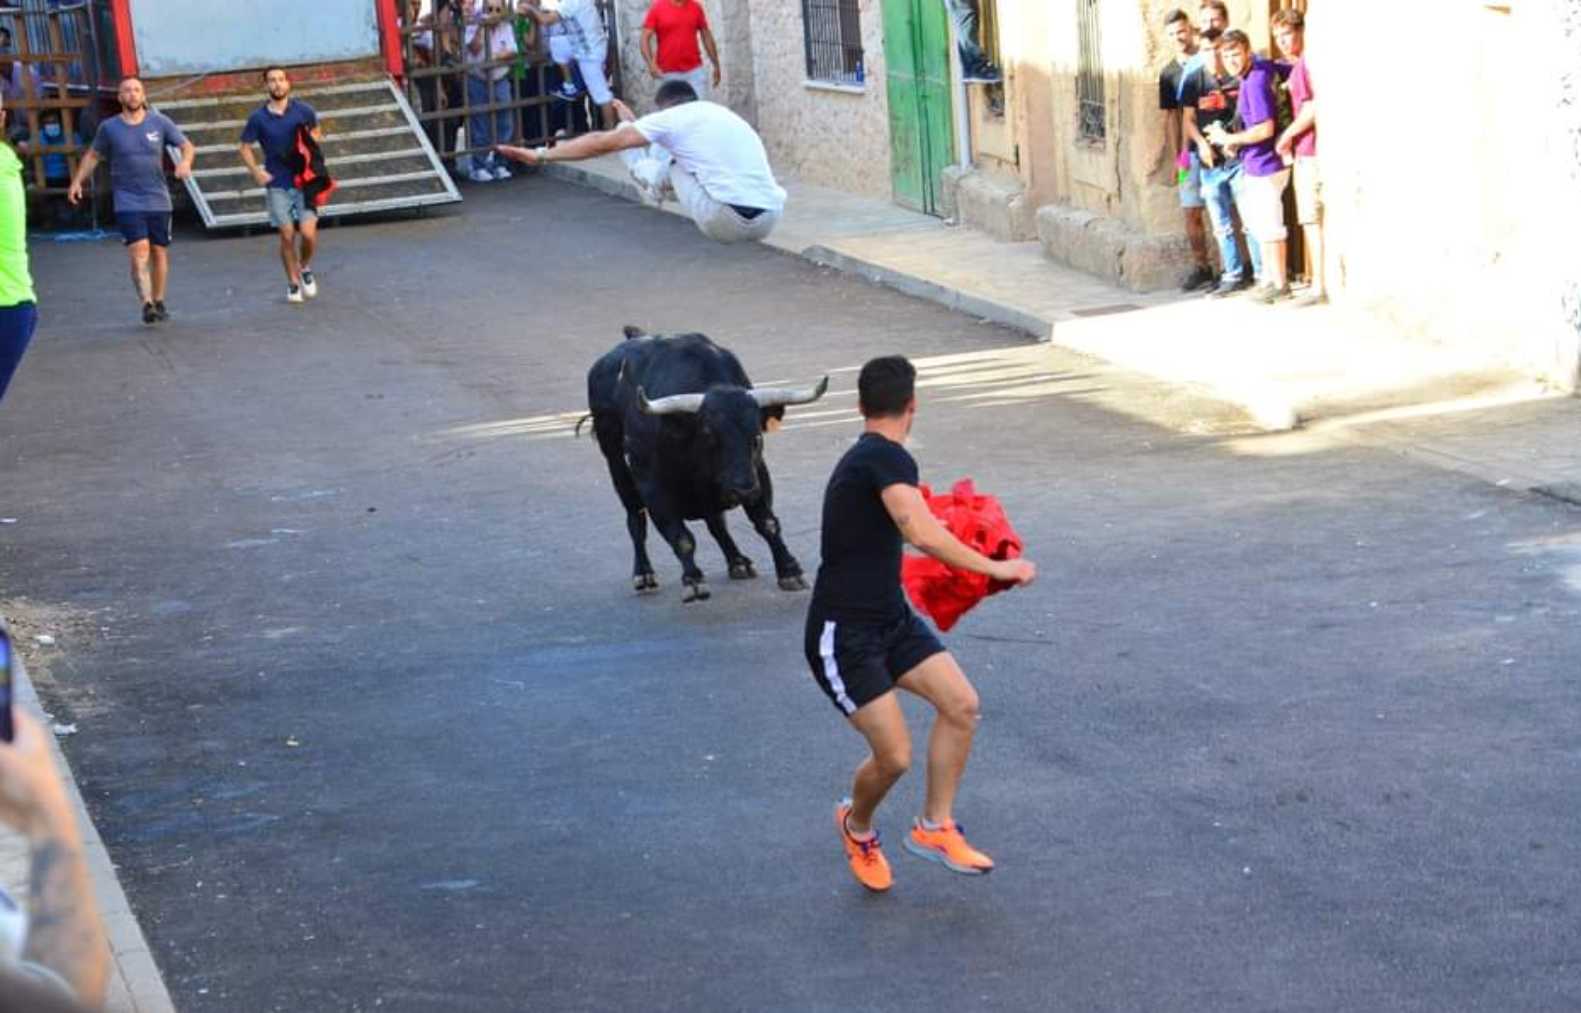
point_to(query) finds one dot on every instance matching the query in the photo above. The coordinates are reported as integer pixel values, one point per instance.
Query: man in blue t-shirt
(273, 127)
(134, 144)
(862, 639)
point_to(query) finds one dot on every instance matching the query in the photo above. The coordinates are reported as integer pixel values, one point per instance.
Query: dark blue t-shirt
(859, 578)
(136, 155)
(277, 135)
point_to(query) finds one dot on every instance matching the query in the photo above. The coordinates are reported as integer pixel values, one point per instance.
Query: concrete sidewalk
(1280, 365)
(136, 985)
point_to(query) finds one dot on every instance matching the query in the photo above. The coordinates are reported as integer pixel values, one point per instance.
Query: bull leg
(643, 578)
(694, 587)
(741, 567)
(761, 512)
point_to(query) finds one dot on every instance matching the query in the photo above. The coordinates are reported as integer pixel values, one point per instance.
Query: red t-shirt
(677, 28)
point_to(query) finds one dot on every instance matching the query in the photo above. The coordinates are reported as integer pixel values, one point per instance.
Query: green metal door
(917, 61)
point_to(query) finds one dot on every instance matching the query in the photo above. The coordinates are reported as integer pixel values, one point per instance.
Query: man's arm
(1305, 120)
(538, 14)
(575, 150)
(65, 933)
(650, 50)
(260, 176)
(189, 153)
(90, 161)
(1204, 149)
(921, 529)
(712, 50)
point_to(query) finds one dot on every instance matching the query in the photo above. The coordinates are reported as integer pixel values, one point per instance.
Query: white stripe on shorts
(831, 668)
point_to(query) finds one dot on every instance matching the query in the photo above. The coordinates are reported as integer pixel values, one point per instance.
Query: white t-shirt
(721, 149)
(499, 43)
(585, 28)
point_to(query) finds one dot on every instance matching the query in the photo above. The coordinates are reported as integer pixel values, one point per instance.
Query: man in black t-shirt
(863, 640)
(1188, 166)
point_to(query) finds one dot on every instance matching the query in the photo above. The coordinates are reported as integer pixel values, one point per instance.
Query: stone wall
(1454, 221)
(820, 135)
(731, 23)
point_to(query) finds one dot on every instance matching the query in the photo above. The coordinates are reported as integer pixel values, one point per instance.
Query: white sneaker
(309, 284)
(293, 293)
(502, 171)
(481, 175)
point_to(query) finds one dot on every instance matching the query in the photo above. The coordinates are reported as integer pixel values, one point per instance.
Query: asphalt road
(370, 718)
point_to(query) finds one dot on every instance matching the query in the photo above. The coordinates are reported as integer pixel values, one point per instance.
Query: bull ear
(775, 397)
(633, 331)
(675, 404)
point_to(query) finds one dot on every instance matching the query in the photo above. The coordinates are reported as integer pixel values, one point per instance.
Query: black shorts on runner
(137, 226)
(856, 663)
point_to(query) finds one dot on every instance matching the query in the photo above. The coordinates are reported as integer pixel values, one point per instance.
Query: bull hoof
(742, 569)
(642, 583)
(695, 592)
(795, 582)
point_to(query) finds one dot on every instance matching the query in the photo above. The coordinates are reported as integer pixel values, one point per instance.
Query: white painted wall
(203, 36)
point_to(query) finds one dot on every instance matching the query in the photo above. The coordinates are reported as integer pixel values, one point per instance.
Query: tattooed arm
(66, 934)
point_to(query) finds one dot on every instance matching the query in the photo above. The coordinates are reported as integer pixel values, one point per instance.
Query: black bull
(681, 428)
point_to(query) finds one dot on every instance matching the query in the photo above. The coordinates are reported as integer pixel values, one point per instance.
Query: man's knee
(893, 761)
(287, 235)
(961, 708)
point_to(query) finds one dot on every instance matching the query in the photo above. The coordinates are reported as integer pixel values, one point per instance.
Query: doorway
(921, 139)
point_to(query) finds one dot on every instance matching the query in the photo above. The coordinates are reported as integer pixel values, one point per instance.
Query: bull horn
(775, 397)
(675, 404)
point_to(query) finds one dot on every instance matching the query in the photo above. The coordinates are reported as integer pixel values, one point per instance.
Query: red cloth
(677, 29)
(946, 594)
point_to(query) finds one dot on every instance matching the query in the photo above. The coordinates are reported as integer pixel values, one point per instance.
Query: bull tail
(633, 331)
(577, 432)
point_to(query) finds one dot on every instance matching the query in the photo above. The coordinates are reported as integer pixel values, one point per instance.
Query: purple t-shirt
(1300, 95)
(1259, 104)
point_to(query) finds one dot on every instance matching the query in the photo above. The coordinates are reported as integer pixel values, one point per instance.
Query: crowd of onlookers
(1244, 130)
(481, 59)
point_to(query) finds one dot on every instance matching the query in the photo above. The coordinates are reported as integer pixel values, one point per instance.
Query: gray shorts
(287, 206)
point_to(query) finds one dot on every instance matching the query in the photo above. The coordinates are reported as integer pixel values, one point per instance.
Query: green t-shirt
(16, 282)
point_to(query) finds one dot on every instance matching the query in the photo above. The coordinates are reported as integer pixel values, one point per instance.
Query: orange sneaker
(867, 860)
(947, 846)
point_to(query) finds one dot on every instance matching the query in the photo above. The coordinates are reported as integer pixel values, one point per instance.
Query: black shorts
(856, 663)
(137, 226)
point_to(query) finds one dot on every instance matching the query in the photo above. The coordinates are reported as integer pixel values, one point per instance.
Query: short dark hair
(1290, 18)
(886, 386)
(1175, 14)
(1235, 37)
(1217, 5)
(674, 93)
(271, 69)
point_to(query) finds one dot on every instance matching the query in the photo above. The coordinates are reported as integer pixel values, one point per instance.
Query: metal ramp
(374, 146)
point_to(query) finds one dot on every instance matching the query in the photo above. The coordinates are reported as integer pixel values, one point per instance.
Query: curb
(136, 984)
(951, 298)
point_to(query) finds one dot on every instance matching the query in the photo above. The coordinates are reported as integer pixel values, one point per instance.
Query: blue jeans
(16, 330)
(487, 129)
(1220, 185)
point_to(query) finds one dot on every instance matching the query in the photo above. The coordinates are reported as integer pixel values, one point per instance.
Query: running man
(704, 155)
(134, 144)
(273, 126)
(863, 640)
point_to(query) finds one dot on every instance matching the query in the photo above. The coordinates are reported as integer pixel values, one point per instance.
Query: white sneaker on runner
(309, 284)
(293, 293)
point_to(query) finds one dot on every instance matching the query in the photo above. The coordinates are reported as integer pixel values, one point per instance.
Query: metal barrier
(54, 59)
(436, 82)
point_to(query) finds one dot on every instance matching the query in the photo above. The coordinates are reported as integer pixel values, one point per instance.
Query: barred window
(834, 41)
(1092, 111)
